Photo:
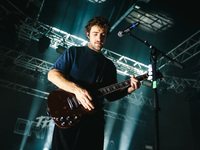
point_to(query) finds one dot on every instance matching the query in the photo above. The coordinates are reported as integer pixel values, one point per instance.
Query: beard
(97, 46)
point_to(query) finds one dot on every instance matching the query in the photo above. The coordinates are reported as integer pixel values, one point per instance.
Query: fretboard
(118, 86)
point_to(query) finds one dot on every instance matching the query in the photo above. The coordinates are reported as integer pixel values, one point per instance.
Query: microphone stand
(154, 53)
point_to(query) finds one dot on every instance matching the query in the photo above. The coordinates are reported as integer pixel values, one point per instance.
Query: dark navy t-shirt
(83, 65)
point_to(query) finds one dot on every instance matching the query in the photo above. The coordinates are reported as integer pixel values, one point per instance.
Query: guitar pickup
(70, 103)
(75, 101)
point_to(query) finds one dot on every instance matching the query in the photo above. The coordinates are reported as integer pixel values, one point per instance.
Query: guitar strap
(99, 78)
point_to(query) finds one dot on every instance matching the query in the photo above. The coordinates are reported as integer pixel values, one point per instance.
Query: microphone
(127, 30)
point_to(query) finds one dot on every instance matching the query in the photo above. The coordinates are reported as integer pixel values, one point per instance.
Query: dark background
(179, 116)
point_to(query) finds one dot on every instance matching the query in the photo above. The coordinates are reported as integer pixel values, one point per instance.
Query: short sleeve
(64, 62)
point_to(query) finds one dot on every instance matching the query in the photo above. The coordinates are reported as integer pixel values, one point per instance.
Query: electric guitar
(66, 111)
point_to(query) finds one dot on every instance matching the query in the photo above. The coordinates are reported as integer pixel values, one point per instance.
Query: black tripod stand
(154, 53)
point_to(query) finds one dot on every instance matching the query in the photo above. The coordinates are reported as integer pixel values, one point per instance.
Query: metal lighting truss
(180, 84)
(118, 116)
(23, 63)
(182, 53)
(125, 65)
(23, 89)
(33, 6)
(139, 99)
(30, 29)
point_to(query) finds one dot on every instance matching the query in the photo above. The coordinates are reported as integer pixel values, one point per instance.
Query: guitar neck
(118, 86)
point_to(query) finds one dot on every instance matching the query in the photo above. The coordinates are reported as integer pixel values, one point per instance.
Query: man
(76, 67)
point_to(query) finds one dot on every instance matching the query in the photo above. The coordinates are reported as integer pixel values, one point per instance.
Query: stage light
(150, 21)
(48, 141)
(128, 129)
(43, 43)
(109, 126)
(97, 1)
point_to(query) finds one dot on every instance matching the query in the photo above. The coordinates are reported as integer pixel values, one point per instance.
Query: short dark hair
(100, 21)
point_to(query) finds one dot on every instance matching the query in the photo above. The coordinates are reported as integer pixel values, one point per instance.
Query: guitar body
(64, 108)
(66, 111)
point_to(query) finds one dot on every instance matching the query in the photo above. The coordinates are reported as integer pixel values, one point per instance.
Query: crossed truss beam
(184, 51)
(21, 62)
(118, 116)
(30, 29)
(140, 100)
(125, 65)
(179, 85)
(23, 89)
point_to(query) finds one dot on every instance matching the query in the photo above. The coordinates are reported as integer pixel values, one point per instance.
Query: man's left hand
(135, 84)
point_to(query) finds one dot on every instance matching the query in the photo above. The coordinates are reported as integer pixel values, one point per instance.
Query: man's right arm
(57, 78)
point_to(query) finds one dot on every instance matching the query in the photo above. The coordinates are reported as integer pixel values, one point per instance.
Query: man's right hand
(57, 78)
(84, 98)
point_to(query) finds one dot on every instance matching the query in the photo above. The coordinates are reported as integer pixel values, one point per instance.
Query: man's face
(97, 37)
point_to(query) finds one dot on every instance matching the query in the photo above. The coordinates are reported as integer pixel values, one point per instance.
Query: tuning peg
(150, 72)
